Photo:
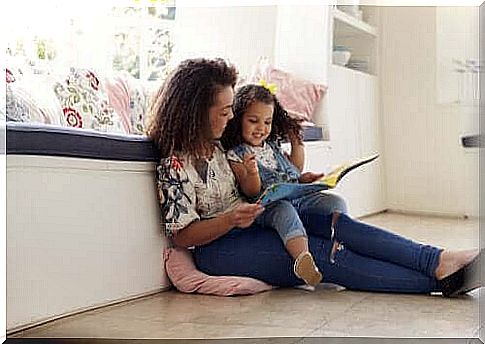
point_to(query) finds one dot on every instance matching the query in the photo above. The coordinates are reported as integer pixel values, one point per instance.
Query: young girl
(253, 139)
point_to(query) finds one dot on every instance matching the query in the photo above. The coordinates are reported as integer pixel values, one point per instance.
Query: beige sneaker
(306, 269)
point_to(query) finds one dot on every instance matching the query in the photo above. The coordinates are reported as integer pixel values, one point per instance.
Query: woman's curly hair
(283, 126)
(179, 113)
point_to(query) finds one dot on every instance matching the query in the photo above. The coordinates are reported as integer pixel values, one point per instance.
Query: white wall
(302, 41)
(426, 168)
(302, 46)
(237, 33)
(457, 40)
(294, 38)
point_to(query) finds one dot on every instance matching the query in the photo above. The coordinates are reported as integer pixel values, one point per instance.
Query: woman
(201, 206)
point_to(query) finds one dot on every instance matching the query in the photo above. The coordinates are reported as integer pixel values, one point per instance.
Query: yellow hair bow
(272, 88)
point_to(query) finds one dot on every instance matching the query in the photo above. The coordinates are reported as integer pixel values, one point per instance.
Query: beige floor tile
(97, 326)
(406, 316)
(196, 330)
(293, 313)
(455, 233)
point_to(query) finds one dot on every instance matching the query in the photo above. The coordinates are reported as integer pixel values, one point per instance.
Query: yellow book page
(331, 179)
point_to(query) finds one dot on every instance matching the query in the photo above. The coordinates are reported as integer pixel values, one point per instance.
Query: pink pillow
(119, 98)
(297, 96)
(184, 275)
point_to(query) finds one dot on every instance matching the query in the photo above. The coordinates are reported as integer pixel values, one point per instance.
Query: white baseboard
(432, 214)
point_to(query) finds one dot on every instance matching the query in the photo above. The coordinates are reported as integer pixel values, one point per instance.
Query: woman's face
(221, 112)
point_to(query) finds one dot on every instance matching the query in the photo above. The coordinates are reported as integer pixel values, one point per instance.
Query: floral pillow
(85, 103)
(298, 96)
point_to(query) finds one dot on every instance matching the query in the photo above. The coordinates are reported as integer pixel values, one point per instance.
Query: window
(142, 41)
(137, 40)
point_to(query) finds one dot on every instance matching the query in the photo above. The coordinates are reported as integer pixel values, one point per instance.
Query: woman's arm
(205, 231)
(297, 156)
(247, 175)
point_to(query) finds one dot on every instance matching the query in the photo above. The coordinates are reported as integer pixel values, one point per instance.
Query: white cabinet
(357, 35)
(349, 111)
(354, 133)
(353, 111)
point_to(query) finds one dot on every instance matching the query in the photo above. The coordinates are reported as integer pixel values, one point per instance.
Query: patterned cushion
(85, 103)
(29, 100)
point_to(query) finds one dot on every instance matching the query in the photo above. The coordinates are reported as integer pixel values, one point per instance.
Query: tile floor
(292, 312)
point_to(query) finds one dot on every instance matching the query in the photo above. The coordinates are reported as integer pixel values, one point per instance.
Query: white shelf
(352, 26)
(344, 68)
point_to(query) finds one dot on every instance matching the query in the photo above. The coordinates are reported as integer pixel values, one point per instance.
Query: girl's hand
(250, 164)
(295, 138)
(310, 177)
(244, 215)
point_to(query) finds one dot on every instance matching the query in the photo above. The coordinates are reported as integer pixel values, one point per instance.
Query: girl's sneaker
(306, 269)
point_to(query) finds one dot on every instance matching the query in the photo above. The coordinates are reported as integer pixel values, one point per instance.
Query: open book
(291, 191)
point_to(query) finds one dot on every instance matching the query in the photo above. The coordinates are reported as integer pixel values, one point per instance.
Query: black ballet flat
(462, 281)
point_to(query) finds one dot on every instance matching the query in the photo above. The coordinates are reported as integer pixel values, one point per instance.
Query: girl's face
(256, 123)
(221, 112)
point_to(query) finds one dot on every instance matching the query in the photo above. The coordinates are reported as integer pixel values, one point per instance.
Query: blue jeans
(370, 258)
(284, 216)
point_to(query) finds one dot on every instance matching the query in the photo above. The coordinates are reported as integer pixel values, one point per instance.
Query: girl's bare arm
(247, 175)
(297, 155)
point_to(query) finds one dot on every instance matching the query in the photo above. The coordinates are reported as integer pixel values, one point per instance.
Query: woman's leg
(374, 242)
(359, 272)
(259, 253)
(255, 252)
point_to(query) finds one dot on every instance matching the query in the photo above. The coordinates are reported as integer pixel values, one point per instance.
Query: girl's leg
(323, 203)
(319, 204)
(283, 218)
(374, 242)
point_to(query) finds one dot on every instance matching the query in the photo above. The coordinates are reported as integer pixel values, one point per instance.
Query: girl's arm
(297, 156)
(247, 175)
(205, 231)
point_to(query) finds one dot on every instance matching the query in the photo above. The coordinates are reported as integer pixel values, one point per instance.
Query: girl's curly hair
(283, 126)
(179, 113)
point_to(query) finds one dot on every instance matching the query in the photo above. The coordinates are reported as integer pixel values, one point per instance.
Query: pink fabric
(298, 96)
(184, 275)
(119, 98)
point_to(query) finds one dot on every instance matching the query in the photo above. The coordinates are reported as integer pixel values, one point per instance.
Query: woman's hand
(244, 215)
(310, 177)
(250, 164)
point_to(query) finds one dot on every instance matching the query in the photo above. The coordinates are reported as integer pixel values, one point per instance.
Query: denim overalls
(284, 215)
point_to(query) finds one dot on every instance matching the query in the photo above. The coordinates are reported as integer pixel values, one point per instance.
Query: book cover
(291, 191)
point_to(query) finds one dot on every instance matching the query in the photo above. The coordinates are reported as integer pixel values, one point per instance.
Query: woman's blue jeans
(369, 258)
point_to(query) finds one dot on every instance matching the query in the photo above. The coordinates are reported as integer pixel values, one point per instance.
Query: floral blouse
(191, 190)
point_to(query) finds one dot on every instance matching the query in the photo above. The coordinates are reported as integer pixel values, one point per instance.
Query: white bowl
(341, 58)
